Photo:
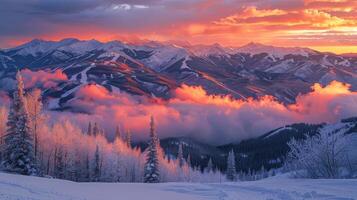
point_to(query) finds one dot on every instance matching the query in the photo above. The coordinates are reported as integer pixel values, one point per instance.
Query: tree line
(31, 144)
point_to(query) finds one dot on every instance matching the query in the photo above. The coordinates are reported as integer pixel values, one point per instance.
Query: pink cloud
(41, 78)
(215, 119)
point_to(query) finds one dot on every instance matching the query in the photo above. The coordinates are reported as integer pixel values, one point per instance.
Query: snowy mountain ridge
(279, 52)
(157, 68)
(79, 46)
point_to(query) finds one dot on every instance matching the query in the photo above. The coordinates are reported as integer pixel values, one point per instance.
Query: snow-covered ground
(22, 187)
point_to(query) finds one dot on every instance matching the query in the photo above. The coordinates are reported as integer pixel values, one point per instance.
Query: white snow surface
(207, 50)
(278, 52)
(40, 46)
(164, 56)
(280, 187)
(81, 47)
(279, 130)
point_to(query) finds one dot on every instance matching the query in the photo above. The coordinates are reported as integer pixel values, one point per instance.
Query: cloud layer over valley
(215, 119)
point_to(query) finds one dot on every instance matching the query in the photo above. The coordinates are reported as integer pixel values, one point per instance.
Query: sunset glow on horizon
(323, 25)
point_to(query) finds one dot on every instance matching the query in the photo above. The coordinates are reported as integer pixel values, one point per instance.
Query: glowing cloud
(42, 78)
(278, 22)
(216, 119)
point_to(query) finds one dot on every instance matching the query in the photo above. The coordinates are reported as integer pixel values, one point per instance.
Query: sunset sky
(326, 25)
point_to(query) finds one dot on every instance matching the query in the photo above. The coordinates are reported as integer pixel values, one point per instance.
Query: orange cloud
(42, 78)
(212, 118)
(290, 27)
(232, 23)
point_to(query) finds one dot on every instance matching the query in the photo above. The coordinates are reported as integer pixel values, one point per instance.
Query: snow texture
(278, 52)
(280, 187)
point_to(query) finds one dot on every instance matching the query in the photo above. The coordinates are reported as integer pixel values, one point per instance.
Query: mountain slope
(268, 150)
(156, 69)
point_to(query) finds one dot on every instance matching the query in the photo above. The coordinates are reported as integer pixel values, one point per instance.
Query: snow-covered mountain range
(155, 69)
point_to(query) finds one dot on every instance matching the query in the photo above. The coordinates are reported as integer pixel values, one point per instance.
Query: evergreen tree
(89, 130)
(18, 148)
(95, 130)
(118, 171)
(86, 172)
(36, 117)
(3, 120)
(231, 166)
(59, 164)
(189, 161)
(209, 167)
(96, 173)
(180, 158)
(117, 133)
(151, 170)
(128, 138)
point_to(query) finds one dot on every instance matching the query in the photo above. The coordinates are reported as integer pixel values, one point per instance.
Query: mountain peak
(69, 40)
(279, 52)
(35, 41)
(207, 50)
(39, 46)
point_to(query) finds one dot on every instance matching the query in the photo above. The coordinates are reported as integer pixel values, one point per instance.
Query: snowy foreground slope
(22, 187)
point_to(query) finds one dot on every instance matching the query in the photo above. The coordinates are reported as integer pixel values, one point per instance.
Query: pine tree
(102, 132)
(189, 161)
(96, 173)
(128, 138)
(151, 170)
(95, 130)
(117, 133)
(89, 130)
(3, 120)
(180, 158)
(86, 172)
(59, 164)
(209, 167)
(34, 105)
(18, 148)
(118, 170)
(231, 166)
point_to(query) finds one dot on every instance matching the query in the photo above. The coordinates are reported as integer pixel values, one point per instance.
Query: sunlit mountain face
(217, 71)
(199, 91)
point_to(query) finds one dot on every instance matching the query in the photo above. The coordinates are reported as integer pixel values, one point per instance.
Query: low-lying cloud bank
(214, 119)
(42, 79)
(194, 113)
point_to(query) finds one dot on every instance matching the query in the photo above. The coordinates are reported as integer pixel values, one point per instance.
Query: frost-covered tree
(188, 160)
(59, 164)
(231, 166)
(86, 170)
(3, 120)
(151, 170)
(95, 130)
(89, 129)
(209, 167)
(128, 138)
(96, 168)
(36, 116)
(18, 142)
(322, 155)
(117, 132)
(102, 132)
(180, 159)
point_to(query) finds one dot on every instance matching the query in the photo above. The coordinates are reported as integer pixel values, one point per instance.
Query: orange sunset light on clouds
(325, 25)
